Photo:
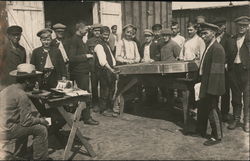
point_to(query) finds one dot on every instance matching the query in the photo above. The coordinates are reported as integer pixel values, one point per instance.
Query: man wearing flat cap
(96, 29)
(19, 117)
(113, 38)
(15, 55)
(212, 85)
(226, 41)
(156, 28)
(60, 42)
(239, 67)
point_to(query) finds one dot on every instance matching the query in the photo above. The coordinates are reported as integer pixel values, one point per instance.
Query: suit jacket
(228, 45)
(244, 52)
(213, 77)
(38, 59)
(11, 59)
(154, 51)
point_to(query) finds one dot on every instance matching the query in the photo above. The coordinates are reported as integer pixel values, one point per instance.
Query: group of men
(224, 64)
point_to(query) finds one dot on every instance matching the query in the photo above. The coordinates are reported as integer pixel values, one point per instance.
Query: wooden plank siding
(229, 13)
(144, 14)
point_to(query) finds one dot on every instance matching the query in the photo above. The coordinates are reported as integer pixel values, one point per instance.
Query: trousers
(208, 110)
(225, 99)
(40, 139)
(239, 83)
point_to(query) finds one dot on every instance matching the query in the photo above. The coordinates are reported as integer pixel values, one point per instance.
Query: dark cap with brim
(14, 30)
(59, 27)
(209, 26)
(244, 20)
(166, 31)
(44, 32)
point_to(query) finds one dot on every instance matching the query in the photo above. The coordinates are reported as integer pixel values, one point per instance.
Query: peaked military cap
(242, 20)
(209, 26)
(166, 31)
(44, 32)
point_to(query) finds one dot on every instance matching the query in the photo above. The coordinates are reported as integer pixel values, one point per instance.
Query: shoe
(246, 127)
(212, 141)
(91, 122)
(233, 125)
(115, 114)
(108, 113)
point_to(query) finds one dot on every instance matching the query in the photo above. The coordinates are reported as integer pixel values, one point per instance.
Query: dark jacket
(78, 62)
(213, 77)
(154, 51)
(11, 59)
(38, 59)
(65, 43)
(227, 44)
(244, 52)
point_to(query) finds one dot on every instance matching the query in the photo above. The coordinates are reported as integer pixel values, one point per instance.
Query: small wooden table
(74, 124)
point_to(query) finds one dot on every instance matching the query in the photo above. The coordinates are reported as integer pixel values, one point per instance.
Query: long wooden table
(74, 124)
(163, 74)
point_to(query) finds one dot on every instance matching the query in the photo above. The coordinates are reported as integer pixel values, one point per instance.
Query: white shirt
(102, 56)
(180, 40)
(239, 44)
(193, 48)
(48, 63)
(127, 51)
(146, 56)
(63, 52)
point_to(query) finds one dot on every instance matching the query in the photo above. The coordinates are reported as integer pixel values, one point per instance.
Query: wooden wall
(144, 14)
(229, 13)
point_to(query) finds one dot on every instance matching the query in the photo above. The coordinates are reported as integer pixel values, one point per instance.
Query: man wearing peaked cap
(239, 68)
(15, 54)
(19, 117)
(225, 39)
(212, 85)
(156, 28)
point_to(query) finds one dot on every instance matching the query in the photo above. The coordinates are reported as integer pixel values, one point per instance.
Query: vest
(107, 52)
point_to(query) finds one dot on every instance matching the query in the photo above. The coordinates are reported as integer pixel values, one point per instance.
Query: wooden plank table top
(74, 124)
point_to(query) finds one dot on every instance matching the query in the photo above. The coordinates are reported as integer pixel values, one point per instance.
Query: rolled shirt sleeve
(100, 55)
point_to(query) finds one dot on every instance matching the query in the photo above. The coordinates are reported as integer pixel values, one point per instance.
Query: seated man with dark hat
(15, 54)
(19, 117)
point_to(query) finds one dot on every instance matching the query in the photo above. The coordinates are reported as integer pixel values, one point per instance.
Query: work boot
(233, 125)
(246, 127)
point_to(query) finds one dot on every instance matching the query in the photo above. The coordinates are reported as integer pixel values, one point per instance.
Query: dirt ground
(150, 132)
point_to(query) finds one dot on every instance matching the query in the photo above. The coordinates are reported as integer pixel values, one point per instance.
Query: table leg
(186, 109)
(74, 129)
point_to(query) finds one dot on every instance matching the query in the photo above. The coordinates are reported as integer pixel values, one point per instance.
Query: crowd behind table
(93, 52)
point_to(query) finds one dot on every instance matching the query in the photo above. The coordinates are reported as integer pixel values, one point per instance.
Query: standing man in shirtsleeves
(239, 67)
(105, 68)
(212, 78)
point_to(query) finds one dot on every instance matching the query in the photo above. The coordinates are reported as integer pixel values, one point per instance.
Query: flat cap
(148, 32)
(157, 26)
(44, 32)
(166, 31)
(129, 25)
(245, 20)
(59, 27)
(96, 26)
(14, 30)
(219, 21)
(209, 26)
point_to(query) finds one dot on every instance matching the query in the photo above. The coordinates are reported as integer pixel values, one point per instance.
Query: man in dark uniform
(226, 41)
(94, 77)
(79, 67)
(238, 67)
(212, 84)
(15, 55)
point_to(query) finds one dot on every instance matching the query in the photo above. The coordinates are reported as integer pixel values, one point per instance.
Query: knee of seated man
(40, 130)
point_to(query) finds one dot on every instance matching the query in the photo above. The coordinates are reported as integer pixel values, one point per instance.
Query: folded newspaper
(78, 92)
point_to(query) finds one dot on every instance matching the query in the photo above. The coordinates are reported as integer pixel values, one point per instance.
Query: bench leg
(186, 109)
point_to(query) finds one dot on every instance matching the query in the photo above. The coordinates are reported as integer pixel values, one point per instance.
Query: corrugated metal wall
(229, 13)
(144, 14)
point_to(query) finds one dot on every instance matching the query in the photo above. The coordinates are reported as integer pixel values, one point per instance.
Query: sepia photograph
(124, 80)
